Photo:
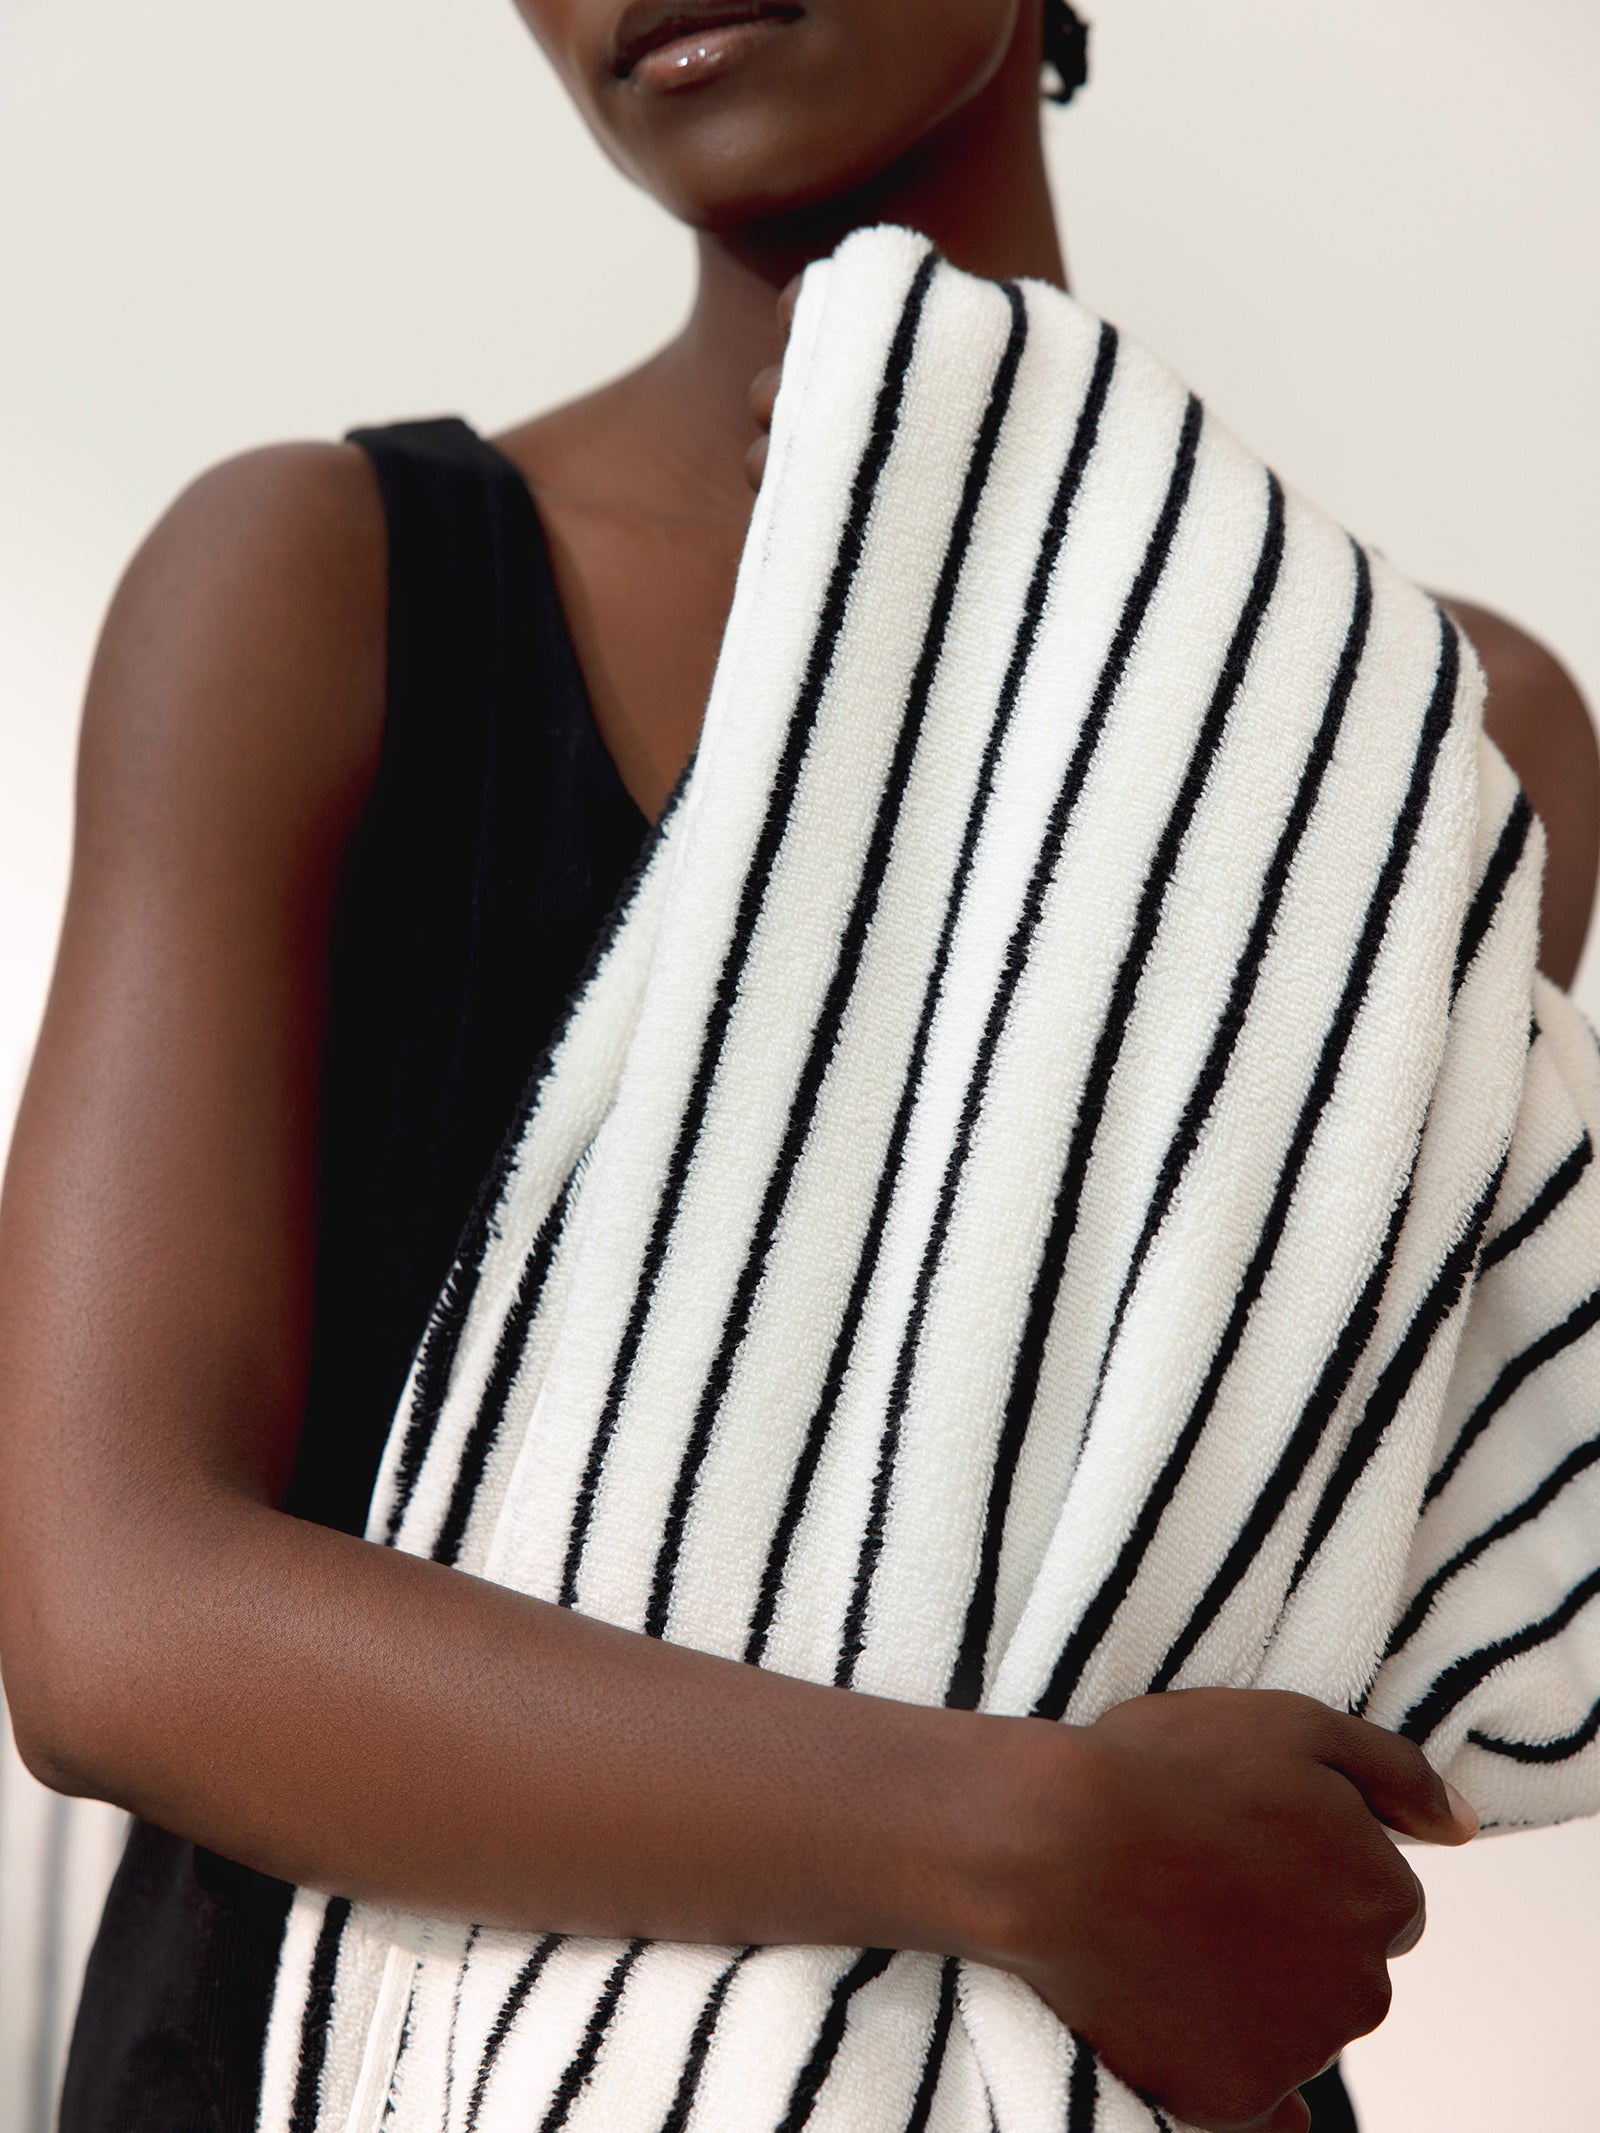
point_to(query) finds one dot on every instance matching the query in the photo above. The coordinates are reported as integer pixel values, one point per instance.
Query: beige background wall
(1365, 229)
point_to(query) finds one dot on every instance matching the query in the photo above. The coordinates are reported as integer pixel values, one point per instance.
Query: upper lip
(645, 24)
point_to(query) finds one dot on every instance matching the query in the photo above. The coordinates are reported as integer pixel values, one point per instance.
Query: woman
(283, 1039)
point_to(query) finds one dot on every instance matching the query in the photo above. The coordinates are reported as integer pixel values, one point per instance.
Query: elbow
(53, 1719)
(58, 1677)
(109, 1647)
(46, 1756)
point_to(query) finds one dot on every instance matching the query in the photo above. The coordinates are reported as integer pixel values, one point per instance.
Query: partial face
(736, 111)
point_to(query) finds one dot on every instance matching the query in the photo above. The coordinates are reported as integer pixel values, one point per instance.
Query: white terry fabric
(1060, 1180)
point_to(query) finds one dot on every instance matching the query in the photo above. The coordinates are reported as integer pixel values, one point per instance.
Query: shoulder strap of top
(464, 537)
(474, 610)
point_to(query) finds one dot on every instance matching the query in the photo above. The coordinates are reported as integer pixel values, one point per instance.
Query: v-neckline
(567, 643)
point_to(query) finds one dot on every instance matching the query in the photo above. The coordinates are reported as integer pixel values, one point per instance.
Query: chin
(791, 120)
(746, 169)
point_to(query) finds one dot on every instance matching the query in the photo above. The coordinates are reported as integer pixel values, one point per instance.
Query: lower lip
(703, 56)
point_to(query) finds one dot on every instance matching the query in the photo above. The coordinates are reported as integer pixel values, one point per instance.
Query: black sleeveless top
(496, 840)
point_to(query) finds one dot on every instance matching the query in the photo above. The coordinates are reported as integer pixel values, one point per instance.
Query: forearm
(358, 1720)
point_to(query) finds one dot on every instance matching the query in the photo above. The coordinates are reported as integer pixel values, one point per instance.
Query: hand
(764, 389)
(1205, 1891)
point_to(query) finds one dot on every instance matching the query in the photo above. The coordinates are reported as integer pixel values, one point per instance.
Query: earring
(1066, 49)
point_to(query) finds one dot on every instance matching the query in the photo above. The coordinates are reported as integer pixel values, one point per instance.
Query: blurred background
(1366, 232)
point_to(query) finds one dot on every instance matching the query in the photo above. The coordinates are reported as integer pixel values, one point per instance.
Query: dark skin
(1199, 1882)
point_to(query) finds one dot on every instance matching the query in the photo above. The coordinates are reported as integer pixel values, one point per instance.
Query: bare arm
(343, 1715)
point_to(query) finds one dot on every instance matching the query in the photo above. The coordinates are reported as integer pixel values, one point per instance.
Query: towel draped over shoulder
(1060, 1180)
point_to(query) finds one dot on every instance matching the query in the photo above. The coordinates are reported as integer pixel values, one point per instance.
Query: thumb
(1293, 2115)
(1398, 1782)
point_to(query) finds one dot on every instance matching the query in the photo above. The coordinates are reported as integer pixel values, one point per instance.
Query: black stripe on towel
(1241, 991)
(435, 1361)
(455, 2019)
(316, 2018)
(1318, 1412)
(677, 2117)
(1541, 1207)
(1099, 1614)
(869, 1964)
(1085, 437)
(1576, 1464)
(846, 970)
(966, 1681)
(1541, 1751)
(1580, 1320)
(1459, 1680)
(864, 489)
(485, 1430)
(1083, 2092)
(1395, 1379)
(938, 2044)
(527, 1977)
(1503, 863)
(1151, 569)
(583, 2060)
(391, 2097)
(1358, 1328)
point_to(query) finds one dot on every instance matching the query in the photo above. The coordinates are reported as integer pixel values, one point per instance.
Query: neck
(976, 185)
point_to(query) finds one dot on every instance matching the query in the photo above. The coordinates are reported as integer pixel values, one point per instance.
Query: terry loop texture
(1061, 1180)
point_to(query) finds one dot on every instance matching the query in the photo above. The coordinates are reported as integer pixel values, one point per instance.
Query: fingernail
(1463, 1810)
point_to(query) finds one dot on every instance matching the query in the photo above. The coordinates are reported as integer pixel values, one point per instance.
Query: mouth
(668, 43)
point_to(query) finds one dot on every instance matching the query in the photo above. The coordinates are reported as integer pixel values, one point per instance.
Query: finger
(764, 393)
(788, 297)
(1466, 1815)
(1293, 2115)
(1408, 1936)
(755, 462)
(1397, 1782)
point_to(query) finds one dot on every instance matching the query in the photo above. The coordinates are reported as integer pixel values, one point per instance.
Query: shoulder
(1534, 710)
(243, 653)
(289, 512)
(1519, 668)
(1536, 715)
(286, 534)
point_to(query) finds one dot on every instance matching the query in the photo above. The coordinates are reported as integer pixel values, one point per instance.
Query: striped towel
(1060, 1180)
